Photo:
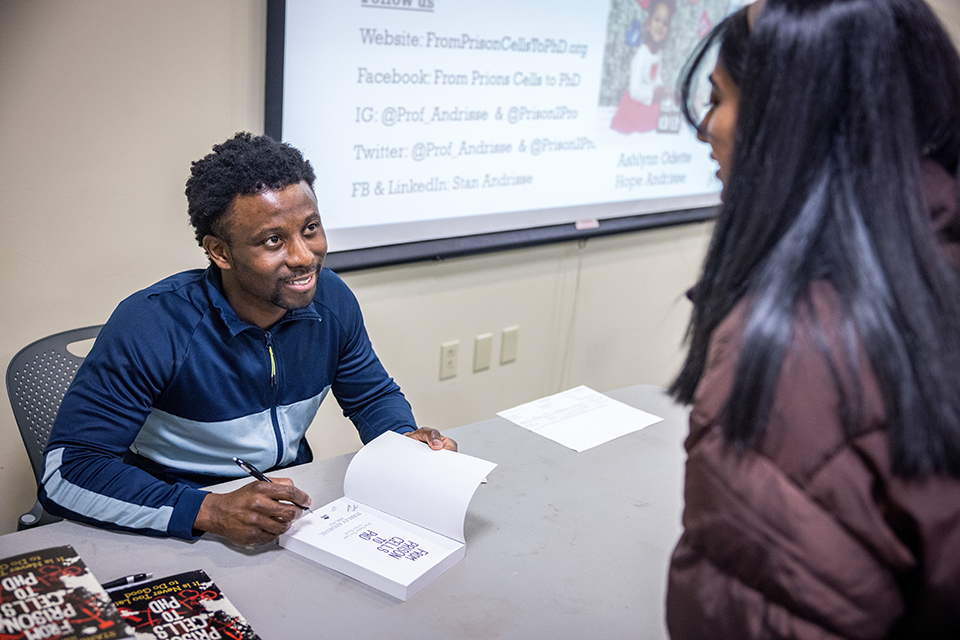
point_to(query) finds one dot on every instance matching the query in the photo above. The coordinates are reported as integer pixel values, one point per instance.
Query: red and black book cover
(185, 606)
(50, 594)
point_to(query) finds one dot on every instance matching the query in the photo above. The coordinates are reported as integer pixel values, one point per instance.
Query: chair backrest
(37, 379)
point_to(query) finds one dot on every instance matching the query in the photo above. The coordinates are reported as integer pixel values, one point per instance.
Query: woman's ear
(218, 251)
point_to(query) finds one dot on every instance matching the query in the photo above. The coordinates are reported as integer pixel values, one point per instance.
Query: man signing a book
(228, 361)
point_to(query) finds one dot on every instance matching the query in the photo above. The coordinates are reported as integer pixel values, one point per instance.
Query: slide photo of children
(646, 45)
(639, 108)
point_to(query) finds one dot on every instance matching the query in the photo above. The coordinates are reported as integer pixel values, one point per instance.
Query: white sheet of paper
(405, 478)
(579, 418)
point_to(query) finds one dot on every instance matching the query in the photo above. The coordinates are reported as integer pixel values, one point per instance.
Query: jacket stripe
(187, 444)
(97, 506)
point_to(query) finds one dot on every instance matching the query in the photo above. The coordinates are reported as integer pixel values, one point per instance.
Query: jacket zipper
(273, 362)
(274, 419)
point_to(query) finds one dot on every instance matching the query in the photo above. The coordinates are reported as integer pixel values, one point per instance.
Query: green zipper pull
(273, 362)
(273, 368)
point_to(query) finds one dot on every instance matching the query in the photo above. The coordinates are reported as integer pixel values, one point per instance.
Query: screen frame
(452, 246)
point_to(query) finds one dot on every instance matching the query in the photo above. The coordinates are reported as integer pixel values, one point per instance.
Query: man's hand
(434, 439)
(253, 514)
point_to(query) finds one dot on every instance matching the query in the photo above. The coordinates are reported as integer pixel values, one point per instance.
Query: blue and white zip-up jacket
(176, 385)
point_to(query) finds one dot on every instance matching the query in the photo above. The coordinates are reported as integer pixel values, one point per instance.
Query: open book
(400, 522)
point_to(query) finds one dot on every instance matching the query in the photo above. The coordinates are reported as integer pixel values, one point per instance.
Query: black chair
(37, 379)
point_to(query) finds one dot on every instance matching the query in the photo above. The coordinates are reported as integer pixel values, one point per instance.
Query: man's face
(271, 254)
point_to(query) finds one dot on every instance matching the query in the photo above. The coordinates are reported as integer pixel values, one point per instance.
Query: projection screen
(448, 127)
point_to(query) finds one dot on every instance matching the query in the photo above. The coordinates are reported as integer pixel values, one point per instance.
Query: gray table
(559, 545)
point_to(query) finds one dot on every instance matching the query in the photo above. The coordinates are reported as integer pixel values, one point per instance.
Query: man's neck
(250, 310)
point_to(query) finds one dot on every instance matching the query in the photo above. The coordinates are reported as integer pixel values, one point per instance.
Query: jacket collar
(213, 284)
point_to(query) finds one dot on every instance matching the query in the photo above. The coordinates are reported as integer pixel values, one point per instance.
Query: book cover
(50, 594)
(187, 605)
(400, 524)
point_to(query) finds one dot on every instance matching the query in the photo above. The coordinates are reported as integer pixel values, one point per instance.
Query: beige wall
(949, 13)
(104, 104)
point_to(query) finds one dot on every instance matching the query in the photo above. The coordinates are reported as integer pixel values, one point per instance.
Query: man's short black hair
(243, 165)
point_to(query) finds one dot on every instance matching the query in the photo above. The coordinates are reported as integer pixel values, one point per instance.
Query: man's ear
(218, 250)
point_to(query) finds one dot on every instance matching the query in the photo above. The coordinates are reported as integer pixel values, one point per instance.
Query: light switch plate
(508, 344)
(482, 350)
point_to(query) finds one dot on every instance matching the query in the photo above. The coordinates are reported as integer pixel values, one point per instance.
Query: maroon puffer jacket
(808, 534)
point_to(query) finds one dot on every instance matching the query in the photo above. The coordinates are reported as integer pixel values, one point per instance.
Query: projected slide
(431, 118)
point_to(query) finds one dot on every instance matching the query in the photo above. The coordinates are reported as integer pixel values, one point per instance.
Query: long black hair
(730, 38)
(825, 186)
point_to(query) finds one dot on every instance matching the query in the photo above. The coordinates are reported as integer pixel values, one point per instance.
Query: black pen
(256, 473)
(125, 580)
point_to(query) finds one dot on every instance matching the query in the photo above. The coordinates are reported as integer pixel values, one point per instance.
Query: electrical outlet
(508, 344)
(448, 359)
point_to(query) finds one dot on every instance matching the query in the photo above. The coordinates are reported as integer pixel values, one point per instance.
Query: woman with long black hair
(823, 472)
